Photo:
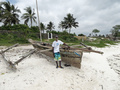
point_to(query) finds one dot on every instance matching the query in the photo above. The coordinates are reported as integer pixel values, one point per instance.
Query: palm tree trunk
(31, 21)
(62, 29)
(69, 30)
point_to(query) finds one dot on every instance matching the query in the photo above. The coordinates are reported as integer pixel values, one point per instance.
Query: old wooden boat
(72, 56)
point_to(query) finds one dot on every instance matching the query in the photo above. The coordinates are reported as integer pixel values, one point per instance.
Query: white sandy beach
(98, 72)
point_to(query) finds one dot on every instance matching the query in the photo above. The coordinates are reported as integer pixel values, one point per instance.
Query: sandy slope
(98, 72)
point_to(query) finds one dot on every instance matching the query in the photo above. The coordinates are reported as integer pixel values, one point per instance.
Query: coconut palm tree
(9, 13)
(50, 26)
(70, 22)
(29, 16)
(62, 25)
(42, 27)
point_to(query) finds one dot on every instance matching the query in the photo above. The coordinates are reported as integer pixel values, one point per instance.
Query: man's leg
(60, 64)
(56, 64)
(59, 59)
(55, 58)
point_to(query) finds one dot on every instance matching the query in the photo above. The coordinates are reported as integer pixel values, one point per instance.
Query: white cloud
(91, 14)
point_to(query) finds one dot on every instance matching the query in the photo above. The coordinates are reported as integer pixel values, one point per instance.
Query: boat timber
(72, 57)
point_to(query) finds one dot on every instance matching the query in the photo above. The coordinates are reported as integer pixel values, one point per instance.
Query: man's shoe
(56, 66)
(61, 67)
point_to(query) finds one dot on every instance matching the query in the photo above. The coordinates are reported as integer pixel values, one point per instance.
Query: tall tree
(9, 13)
(116, 31)
(70, 22)
(42, 27)
(50, 26)
(29, 16)
(95, 31)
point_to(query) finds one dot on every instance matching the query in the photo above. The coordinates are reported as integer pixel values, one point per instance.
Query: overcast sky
(91, 14)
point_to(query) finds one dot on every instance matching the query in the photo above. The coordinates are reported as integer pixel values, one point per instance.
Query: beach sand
(98, 72)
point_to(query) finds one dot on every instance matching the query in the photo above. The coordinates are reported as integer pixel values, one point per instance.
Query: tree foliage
(95, 31)
(69, 22)
(29, 16)
(9, 13)
(50, 26)
(42, 27)
(81, 35)
(116, 31)
(61, 25)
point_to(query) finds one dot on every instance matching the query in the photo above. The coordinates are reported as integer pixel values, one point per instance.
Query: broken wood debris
(15, 45)
(23, 57)
(7, 62)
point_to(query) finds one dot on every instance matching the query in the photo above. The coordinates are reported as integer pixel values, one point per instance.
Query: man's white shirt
(56, 45)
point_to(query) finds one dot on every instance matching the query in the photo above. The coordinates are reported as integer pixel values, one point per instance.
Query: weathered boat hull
(72, 57)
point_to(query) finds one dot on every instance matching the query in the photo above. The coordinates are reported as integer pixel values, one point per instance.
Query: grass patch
(100, 43)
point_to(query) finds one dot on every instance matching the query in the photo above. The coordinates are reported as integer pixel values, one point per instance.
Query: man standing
(56, 51)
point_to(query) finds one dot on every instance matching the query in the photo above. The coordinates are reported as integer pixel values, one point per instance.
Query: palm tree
(29, 15)
(70, 22)
(50, 26)
(42, 27)
(9, 13)
(61, 25)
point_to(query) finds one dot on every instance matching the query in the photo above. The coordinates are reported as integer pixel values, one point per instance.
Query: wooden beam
(28, 54)
(8, 63)
(86, 50)
(9, 48)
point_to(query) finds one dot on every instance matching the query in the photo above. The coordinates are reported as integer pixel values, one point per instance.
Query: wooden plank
(21, 59)
(86, 50)
(15, 45)
(8, 63)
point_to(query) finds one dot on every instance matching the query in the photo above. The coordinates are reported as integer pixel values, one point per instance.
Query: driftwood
(86, 50)
(89, 49)
(23, 57)
(7, 62)
(28, 54)
(9, 48)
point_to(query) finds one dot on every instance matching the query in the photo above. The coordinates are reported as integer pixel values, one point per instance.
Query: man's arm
(53, 51)
(66, 45)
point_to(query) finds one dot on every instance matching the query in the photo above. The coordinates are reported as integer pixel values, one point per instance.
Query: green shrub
(68, 38)
(34, 29)
(81, 35)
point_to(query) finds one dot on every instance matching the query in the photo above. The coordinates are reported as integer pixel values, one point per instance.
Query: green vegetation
(71, 40)
(17, 34)
(100, 42)
(96, 43)
(12, 32)
(9, 13)
(68, 22)
(116, 31)
(22, 36)
(2, 73)
(29, 16)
